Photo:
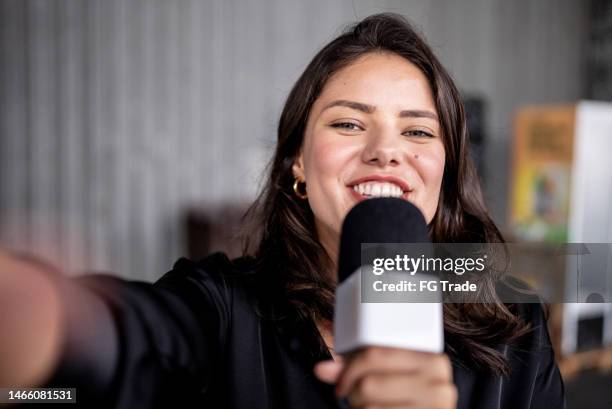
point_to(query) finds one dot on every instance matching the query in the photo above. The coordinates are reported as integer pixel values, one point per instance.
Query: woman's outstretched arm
(53, 330)
(120, 343)
(31, 323)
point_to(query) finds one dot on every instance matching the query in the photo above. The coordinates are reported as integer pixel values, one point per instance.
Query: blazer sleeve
(132, 344)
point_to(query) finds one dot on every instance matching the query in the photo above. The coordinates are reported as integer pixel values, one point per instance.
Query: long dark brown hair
(280, 231)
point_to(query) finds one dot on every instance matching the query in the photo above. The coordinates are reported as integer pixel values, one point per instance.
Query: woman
(374, 114)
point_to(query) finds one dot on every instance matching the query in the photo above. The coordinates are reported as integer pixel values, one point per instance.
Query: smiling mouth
(371, 189)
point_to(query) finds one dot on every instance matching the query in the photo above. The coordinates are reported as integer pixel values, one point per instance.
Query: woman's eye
(348, 126)
(419, 133)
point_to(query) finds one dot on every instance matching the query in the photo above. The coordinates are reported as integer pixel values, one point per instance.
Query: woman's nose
(383, 149)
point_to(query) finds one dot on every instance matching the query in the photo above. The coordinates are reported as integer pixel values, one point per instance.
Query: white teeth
(379, 189)
(386, 190)
(376, 190)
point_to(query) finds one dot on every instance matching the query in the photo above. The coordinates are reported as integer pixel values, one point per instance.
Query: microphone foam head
(378, 220)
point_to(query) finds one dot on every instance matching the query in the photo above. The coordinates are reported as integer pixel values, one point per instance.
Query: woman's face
(372, 132)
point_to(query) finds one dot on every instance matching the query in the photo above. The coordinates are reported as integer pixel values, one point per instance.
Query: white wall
(115, 115)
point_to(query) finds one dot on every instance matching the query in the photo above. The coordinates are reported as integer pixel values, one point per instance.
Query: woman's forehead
(380, 80)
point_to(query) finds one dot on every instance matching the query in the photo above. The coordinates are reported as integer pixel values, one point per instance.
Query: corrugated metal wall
(115, 115)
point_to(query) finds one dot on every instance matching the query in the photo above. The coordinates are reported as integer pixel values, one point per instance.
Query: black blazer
(201, 337)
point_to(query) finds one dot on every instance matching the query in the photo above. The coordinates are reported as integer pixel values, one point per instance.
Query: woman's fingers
(392, 360)
(398, 390)
(390, 377)
(328, 371)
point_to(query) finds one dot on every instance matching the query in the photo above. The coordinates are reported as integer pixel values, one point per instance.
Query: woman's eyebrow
(418, 113)
(368, 109)
(359, 106)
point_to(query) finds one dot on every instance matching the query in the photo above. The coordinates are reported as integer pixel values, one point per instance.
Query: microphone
(411, 325)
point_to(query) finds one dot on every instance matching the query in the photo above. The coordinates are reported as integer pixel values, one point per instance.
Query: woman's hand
(30, 323)
(378, 377)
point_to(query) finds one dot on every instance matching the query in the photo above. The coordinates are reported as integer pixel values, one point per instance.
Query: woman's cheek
(320, 163)
(328, 157)
(431, 164)
(431, 169)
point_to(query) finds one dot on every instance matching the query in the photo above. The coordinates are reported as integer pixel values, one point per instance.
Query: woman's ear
(298, 168)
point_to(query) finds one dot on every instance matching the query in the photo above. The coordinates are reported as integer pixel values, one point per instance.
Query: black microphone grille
(378, 220)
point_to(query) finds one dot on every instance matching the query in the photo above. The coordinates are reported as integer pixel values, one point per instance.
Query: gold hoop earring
(296, 189)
